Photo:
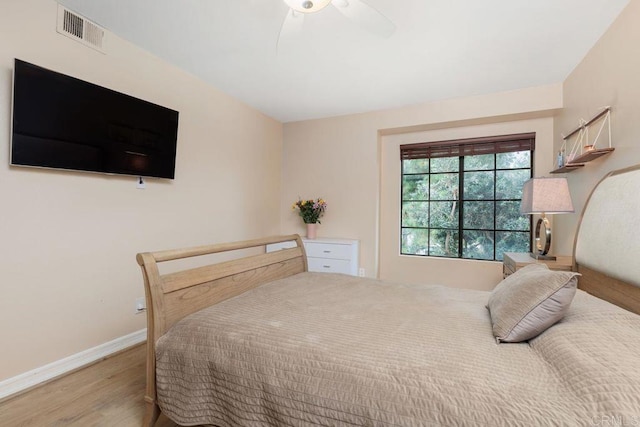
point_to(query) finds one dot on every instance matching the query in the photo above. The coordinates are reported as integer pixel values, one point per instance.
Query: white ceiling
(440, 49)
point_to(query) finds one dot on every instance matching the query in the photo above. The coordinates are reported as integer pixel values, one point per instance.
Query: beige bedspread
(329, 350)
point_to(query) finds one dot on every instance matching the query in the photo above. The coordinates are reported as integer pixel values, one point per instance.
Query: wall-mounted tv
(65, 123)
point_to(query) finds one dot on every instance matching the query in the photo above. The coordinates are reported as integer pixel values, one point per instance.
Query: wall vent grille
(81, 29)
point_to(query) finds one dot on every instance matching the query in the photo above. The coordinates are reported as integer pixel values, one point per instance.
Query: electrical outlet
(361, 272)
(141, 184)
(141, 305)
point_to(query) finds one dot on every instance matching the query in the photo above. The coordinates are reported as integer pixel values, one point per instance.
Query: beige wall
(608, 75)
(340, 159)
(68, 275)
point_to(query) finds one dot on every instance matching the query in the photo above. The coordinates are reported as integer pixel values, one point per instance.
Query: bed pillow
(529, 301)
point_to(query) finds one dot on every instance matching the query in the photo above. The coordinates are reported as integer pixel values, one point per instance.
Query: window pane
(415, 187)
(445, 164)
(519, 159)
(509, 183)
(477, 244)
(482, 162)
(444, 186)
(478, 215)
(478, 185)
(415, 214)
(444, 215)
(436, 221)
(415, 241)
(444, 243)
(508, 217)
(415, 166)
(508, 241)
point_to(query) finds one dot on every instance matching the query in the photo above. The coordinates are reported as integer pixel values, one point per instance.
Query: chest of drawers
(327, 255)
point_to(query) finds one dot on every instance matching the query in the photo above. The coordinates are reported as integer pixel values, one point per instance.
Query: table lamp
(545, 196)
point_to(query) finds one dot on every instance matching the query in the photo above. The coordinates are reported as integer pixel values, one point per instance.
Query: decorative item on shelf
(311, 211)
(583, 149)
(560, 161)
(545, 196)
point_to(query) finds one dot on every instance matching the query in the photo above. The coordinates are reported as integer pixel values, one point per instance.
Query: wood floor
(108, 393)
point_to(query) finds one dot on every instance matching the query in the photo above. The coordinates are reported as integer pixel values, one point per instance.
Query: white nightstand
(327, 255)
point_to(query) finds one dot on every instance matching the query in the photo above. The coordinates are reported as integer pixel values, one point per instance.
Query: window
(461, 199)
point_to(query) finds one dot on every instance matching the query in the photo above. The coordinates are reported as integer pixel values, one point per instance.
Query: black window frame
(467, 147)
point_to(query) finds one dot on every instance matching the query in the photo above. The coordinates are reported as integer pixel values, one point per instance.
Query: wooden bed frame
(170, 297)
(609, 289)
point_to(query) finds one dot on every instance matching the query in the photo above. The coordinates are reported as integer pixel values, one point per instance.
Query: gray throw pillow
(529, 301)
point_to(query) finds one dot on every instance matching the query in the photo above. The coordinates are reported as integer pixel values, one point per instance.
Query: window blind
(469, 147)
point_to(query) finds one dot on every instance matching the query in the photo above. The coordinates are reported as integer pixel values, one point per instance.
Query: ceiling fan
(356, 10)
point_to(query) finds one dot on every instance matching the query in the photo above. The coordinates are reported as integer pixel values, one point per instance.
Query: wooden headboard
(607, 244)
(171, 297)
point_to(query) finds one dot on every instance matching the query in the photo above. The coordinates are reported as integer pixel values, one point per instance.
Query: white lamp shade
(546, 195)
(307, 6)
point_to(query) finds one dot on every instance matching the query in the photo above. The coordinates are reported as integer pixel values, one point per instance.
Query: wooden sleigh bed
(361, 364)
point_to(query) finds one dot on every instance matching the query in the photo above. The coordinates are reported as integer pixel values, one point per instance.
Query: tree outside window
(465, 206)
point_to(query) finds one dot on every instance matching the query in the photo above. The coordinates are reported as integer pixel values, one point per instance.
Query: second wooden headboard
(607, 245)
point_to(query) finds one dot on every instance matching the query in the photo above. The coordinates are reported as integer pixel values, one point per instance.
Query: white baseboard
(55, 369)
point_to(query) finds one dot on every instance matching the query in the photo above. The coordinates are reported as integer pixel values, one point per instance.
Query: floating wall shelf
(592, 155)
(569, 167)
(583, 151)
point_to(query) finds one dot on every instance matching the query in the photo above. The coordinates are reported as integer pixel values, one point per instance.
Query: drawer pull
(327, 252)
(326, 266)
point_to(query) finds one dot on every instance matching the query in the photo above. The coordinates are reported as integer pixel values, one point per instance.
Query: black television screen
(66, 123)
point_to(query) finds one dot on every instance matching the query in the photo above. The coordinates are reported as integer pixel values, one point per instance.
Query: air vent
(81, 29)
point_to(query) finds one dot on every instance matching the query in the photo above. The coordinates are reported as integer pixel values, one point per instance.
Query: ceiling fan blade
(365, 16)
(291, 26)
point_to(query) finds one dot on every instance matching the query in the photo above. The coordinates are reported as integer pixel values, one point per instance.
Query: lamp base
(543, 222)
(542, 257)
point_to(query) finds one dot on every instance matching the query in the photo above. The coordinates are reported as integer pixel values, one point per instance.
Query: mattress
(319, 349)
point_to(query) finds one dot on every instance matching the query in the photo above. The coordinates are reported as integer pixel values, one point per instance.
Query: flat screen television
(65, 123)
